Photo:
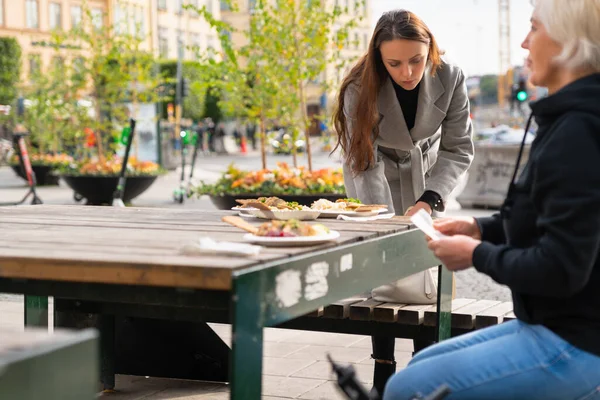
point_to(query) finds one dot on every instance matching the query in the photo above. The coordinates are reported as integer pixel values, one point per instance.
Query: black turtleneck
(408, 100)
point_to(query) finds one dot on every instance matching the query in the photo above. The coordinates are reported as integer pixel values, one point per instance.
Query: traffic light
(185, 87)
(521, 93)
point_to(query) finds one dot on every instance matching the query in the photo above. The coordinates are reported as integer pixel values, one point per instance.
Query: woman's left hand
(421, 205)
(455, 252)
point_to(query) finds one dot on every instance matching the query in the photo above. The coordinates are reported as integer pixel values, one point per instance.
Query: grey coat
(431, 156)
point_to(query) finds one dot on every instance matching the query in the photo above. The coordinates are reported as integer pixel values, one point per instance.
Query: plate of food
(350, 207)
(284, 233)
(274, 208)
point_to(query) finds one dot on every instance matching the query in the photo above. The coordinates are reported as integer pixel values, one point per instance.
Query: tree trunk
(306, 126)
(263, 140)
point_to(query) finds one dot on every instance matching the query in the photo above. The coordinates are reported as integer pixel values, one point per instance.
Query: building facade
(32, 23)
(174, 22)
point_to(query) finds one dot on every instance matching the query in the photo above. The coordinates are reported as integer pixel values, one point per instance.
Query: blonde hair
(575, 25)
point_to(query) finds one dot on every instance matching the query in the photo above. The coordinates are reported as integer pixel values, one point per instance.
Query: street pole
(178, 88)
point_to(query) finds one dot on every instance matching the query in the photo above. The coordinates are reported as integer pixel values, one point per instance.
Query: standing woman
(404, 127)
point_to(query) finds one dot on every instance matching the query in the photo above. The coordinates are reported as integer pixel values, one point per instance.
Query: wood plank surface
(464, 317)
(387, 312)
(494, 315)
(140, 246)
(430, 318)
(363, 311)
(341, 309)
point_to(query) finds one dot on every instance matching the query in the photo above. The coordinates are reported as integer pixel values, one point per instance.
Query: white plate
(283, 215)
(291, 241)
(335, 213)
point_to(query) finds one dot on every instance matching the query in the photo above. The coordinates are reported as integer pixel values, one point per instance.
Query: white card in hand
(424, 222)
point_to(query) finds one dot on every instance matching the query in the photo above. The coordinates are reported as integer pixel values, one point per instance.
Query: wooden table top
(140, 246)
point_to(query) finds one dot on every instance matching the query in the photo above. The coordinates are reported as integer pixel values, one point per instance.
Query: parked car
(502, 134)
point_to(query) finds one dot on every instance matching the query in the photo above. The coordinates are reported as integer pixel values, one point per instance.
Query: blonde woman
(544, 244)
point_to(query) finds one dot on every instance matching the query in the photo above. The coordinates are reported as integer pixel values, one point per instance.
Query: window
(55, 14)
(356, 41)
(251, 5)
(118, 19)
(225, 6)
(97, 18)
(57, 63)
(196, 40)
(209, 6)
(365, 8)
(356, 6)
(79, 68)
(210, 42)
(34, 65)
(162, 5)
(179, 7)
(163, 42)
(32, 15)
(366, 36)
(140, 22)
(1, 12)
(75, 16)
(193, 3)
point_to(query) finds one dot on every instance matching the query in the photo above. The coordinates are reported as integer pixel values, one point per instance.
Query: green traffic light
(522, 95)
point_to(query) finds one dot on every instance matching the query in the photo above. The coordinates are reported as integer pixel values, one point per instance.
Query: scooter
(120, 190)
(19, 144)
(354, 390)
(184, 190)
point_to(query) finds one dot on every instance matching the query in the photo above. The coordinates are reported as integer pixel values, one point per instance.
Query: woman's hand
(421, 205)
(455, 252)
(458, 226)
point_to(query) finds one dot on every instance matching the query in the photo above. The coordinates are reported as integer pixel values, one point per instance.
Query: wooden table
(37, 365)
(126, 261)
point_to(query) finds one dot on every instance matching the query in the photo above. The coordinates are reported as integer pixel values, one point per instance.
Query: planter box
(99, 190)
(43, 174)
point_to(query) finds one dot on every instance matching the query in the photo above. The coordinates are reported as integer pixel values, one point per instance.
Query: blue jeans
(513, 360)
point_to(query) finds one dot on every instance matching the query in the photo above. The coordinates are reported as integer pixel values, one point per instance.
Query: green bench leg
(444, 304)
(247, 339)
(36, 311)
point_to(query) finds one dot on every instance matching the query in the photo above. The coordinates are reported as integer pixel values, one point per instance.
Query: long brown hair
(370, 74)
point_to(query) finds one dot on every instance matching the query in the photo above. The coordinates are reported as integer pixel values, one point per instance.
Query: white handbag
(420, 288)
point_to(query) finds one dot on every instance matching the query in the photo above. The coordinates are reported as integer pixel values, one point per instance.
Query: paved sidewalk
(294, 365)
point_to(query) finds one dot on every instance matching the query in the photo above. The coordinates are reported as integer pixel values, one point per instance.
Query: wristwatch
(434, 200)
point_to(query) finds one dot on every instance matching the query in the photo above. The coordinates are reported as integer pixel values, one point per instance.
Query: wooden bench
(365, 316)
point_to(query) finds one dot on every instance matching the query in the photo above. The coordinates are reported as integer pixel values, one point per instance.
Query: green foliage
(10, 68)
(290, 43)
(488, 86)
(113, 69)
(193, 105)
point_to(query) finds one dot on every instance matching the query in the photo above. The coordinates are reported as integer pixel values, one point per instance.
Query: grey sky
(467, 29)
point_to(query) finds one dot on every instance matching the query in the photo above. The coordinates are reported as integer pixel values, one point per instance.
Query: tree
(290, 43)
(193, 104)
(112, 69)
(488, 85)
(10, 69)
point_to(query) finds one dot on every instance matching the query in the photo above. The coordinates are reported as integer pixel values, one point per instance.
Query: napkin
(208, 246)
(373, 218)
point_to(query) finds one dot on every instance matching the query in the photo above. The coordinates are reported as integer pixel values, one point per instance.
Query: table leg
(247, 339)
(36, 311)
(106, 326)
(444, 304)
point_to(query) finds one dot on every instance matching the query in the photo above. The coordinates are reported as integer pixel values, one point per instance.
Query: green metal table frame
(273, 293)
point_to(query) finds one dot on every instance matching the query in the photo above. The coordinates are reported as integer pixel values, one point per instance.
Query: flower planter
(43, 174)
(99, 190)
(226, 202)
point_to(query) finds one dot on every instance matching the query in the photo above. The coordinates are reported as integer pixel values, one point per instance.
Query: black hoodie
(549, 251)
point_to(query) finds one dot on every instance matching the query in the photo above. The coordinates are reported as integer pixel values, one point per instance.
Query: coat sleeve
(456, 144)
(369, 186)
(566, 193)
